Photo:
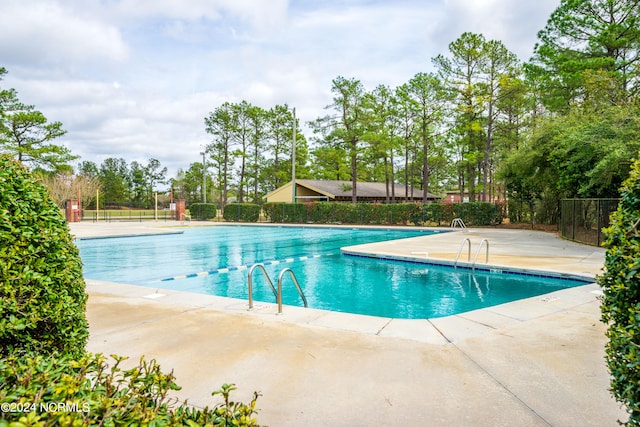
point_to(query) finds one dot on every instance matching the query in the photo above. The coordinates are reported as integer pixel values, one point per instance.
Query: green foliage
(188, 184)
(202, 211)
(479, 213)
(585, 153)
(260, 141)
(473, 74)
(42, 291)
(286, 212)
(46, 378)
(584, 35)
(376, 213)
(115, 180)
(26, 134)
(241, 212)
(434, 213)
(621, 303)
(346, 129)
(473, 214)
(41, 391)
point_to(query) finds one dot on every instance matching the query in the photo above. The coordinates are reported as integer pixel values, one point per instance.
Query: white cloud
(135, 78)
(515, 23)
(45, 32)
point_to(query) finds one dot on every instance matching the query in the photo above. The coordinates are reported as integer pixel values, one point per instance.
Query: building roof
(342, 190)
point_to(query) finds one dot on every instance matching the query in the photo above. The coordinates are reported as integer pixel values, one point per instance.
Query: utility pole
(204, 178)
(293, 158)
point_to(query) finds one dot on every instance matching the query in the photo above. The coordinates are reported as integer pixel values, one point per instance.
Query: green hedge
(241, 212)
(42, 291)
(621, 303)
(202, 211)
(38, 390)
(376, 213)
(46, 377)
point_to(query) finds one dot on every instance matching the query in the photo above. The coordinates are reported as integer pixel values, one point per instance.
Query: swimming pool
(215, 260)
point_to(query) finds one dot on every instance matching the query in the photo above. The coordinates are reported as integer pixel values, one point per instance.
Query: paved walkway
(533, 362)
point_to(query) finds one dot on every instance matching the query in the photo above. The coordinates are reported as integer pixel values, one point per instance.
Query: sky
(134, 79)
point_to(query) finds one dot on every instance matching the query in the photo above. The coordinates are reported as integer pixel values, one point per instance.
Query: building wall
(282, 194)
(285, 194)
(312, 196)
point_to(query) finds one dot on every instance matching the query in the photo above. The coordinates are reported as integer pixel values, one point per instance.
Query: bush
(285, 212)
(42, 291)
(621, 302)
(46, 378)
(241, 212)
(431, 213)
(478, 213)
(44, 391)
(338, 212)
(202, 211)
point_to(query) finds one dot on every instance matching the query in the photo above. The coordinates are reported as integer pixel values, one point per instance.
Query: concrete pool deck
(538, 361)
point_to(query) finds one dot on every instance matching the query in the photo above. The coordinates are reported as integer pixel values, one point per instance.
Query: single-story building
(454, 196)
(310, 190)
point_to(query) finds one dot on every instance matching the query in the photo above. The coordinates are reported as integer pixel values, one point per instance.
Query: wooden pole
(293, 159)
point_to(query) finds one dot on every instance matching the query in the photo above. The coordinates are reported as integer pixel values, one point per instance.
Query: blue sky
(135, 78)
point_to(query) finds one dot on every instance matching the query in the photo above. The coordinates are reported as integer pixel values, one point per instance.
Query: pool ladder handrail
(295, 281)
(250, 282)
(475, 258)
(466, 240)
(278, 293)
(458, 222)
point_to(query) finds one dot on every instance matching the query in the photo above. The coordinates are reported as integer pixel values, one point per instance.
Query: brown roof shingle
(343, 189)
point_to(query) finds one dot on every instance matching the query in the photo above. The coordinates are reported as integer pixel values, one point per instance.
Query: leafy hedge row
(202, 211)
(621, 303)
(375, 213)
(241, 212)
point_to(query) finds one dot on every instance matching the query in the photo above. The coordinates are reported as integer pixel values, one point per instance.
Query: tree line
(564, 124)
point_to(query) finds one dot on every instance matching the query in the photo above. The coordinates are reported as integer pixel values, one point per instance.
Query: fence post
(598, 214)
(573, 222)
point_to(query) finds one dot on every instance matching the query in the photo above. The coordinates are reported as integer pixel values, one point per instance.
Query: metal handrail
(475, 258)
(466, 239)
(295, 281)
(459, 222)
(250, 282)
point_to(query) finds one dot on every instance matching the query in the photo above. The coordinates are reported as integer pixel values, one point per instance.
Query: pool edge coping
(439, 330)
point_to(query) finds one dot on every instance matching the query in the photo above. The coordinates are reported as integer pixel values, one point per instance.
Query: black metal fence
(582, 220)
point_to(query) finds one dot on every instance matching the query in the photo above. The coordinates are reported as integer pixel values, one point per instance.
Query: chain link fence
(582, 220)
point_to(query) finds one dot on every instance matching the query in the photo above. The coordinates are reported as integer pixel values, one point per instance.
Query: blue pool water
(215, 260)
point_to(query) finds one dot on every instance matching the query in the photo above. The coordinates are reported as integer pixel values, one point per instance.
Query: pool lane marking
(240, 267)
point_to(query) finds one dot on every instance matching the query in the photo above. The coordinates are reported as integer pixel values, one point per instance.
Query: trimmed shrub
(38, 390)
(46, 378)
(285, 212)
(399, 213)
(202, 211)
(479, 213)
(321, 212)
(42, 291)
(380, 213)
(621, 302)
(241, 212)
